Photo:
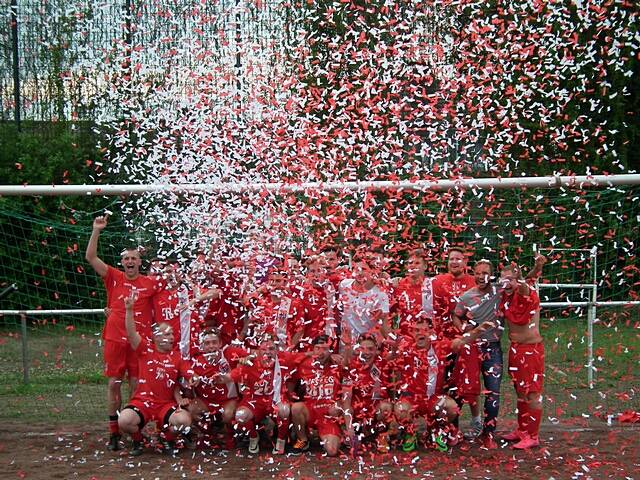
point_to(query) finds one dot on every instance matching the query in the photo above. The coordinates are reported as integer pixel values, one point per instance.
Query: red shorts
(322, 421)
(261, 408)
(214, 399)
(153, 411)
(466, 373)
(118, 359)
(526, 367)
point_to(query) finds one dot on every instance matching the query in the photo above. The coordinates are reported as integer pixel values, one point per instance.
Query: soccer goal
(587, 226)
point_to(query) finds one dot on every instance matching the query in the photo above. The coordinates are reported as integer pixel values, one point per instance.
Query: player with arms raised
(119, 357)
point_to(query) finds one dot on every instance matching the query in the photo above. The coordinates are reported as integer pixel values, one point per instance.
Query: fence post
(591, 315)
(25, 349)
(16, 62)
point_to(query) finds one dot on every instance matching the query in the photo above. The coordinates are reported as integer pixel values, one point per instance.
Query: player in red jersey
(157, 396)
(262, 378)
(318, 299)
(447, 290)
(336, 272)
(211, 399)
(276, 310)
(413, 299)
(226, 310)
(520, 306)
(119, 357)
(368, 409)
(420, 364)
(322, 405)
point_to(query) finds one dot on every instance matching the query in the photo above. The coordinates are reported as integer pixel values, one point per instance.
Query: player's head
(277, 281)
(163, 337)
(171, 272)
(316, 269)
(416, 262)
(367, 348)
(362, 270)
(423, 333)
(322, 348)
(155, 267)
(131, 261)
(482, 273)
(510, 277)
(268, 348)
(209, 341)
(456, 261)
(331, 256)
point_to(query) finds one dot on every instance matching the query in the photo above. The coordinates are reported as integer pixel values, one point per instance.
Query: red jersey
(321, 384)
(338, 276)
(413, 301)
(519, 309)
(159, 373)
(447, 291)
(260, 383)
(208, 366)
(421, 372)
(118, 288)
(225, 313)
(283, 319)
(165, 309)
(318, 306)
(369, 384)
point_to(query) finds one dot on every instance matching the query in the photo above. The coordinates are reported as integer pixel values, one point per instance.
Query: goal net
(43, 254)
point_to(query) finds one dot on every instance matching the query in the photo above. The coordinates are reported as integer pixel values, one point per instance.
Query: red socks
(528, 418)
(535, 416)
(523, 415)
(113, 424)
(249, 427)
(283, 429)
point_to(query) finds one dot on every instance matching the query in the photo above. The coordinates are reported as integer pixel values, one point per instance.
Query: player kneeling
(321, 384)
(369, 411)
(214, 401)
(157, 397)
(262, 376)
(423, 409)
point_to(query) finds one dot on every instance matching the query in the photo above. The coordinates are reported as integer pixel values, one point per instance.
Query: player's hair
(208, 331)
(513, 268)
(456, 249)
(320, 339)
(484, 261)
(130, 249)
(156, 327)
(368, 337)
(426, 320)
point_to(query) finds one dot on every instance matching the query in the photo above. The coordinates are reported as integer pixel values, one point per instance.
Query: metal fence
(59, 53)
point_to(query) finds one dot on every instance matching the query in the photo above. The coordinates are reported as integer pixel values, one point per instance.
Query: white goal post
(555, 181)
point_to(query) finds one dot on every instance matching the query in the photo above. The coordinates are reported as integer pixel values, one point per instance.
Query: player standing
(520, 306)
(119, 357)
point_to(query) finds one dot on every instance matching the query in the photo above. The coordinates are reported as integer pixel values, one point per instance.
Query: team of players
(350, 353)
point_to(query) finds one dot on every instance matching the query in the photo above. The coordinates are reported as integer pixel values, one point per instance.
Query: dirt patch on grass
(576, 449)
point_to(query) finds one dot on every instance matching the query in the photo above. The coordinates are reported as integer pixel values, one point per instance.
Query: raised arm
(130, 324)
(536, 271)
(91, 255)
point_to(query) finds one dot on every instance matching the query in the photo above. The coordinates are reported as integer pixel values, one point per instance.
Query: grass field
(66, 384)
